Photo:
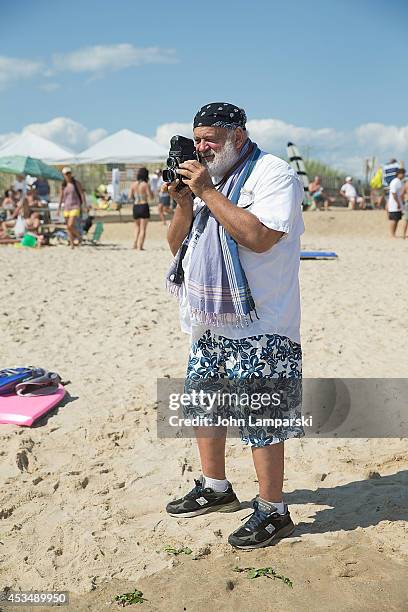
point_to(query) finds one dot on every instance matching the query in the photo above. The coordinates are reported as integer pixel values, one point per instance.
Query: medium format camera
(181, 149)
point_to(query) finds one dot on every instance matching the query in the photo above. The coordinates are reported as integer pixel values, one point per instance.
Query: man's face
(217, 148)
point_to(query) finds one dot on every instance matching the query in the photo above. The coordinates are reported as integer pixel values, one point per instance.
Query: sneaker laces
(198, 489)
(257, 517)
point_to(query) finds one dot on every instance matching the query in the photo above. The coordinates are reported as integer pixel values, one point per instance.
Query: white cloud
(67, 133)
(95, 60)
(13, 69)
(101, 58)
(167, 130)
(275, 134)
(386, 138)
(342, 150)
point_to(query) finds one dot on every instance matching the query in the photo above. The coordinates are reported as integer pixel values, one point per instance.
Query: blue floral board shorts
(242, 370)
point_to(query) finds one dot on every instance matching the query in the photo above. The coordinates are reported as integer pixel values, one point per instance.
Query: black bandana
(220, 114)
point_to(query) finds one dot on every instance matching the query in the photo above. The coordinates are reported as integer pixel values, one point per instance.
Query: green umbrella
(21, 164)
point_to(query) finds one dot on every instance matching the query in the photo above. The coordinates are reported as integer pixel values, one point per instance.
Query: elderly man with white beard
(237, 247)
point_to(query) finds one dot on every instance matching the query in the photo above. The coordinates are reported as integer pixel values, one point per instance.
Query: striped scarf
(217, 289)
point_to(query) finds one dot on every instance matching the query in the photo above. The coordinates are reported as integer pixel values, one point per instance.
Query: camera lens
(169, 175)
(172, 162)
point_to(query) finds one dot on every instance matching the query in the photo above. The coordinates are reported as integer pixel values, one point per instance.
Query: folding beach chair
(96, 236)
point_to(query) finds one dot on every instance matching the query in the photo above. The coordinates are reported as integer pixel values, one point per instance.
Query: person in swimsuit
(72, 198)
(26, 220)
(141, 193)
(164, 204)
(316, 191)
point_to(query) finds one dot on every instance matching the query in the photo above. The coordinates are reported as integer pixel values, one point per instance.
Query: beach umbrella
(22, 164)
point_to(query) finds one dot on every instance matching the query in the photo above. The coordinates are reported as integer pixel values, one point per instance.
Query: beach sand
(83, 492)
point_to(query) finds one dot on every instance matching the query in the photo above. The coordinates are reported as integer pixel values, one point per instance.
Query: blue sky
(337, 64)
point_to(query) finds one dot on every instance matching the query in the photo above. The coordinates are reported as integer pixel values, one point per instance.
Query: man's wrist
(186, 204)
(207, 192)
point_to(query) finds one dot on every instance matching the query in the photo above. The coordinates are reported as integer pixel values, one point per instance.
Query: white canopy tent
(124, 147)
(29, 144)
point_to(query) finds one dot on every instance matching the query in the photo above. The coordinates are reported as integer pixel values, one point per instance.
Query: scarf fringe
(219, 320)
(173, 288)
(211, 318)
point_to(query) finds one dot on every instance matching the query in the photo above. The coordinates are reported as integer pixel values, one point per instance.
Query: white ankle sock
(280, 506)
(220, 486)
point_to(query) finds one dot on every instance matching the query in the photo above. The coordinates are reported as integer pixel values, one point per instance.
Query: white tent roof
(123, 147)
(32, 145)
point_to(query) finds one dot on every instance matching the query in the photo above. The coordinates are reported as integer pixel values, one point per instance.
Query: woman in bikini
(141, 193)
(72, 198)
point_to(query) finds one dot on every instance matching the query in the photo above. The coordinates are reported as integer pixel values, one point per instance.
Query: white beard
(222, 162)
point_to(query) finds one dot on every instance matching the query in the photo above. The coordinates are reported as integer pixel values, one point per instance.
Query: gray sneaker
(264, 527)
(201, 500)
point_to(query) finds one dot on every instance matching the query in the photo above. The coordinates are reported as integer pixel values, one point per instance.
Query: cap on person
(220, 114)
(66, 170)
(348, 179)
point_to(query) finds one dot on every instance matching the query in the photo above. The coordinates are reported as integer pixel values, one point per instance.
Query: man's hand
(183, 197)
(196, 177)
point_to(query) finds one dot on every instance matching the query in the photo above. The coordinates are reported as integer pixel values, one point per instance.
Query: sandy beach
(83, 492)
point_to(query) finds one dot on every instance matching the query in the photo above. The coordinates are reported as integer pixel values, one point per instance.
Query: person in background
(395, 204)
(141, 193)
(349, 192)
(155, 183)
(376, 189)
(42, 188)
(164, 204)
(24, 220)
(72, 199)
(377, 198)
(33, 198)
(9, 204)
(390, 172)
(316, 192)
(20, 184)
(405, 210)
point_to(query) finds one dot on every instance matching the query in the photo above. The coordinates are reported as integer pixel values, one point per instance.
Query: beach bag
(376, 181)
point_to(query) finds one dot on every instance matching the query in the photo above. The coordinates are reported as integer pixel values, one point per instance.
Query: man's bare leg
(212, 451)
(404, 229)
(393, 228)
(269, 465)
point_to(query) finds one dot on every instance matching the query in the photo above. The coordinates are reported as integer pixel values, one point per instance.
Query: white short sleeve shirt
(349, 191)
(274, 194)
(395, 187)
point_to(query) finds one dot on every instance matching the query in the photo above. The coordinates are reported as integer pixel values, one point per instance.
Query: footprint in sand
(22, 461)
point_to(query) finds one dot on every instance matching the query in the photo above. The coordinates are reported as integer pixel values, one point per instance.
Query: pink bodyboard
(18, 410)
